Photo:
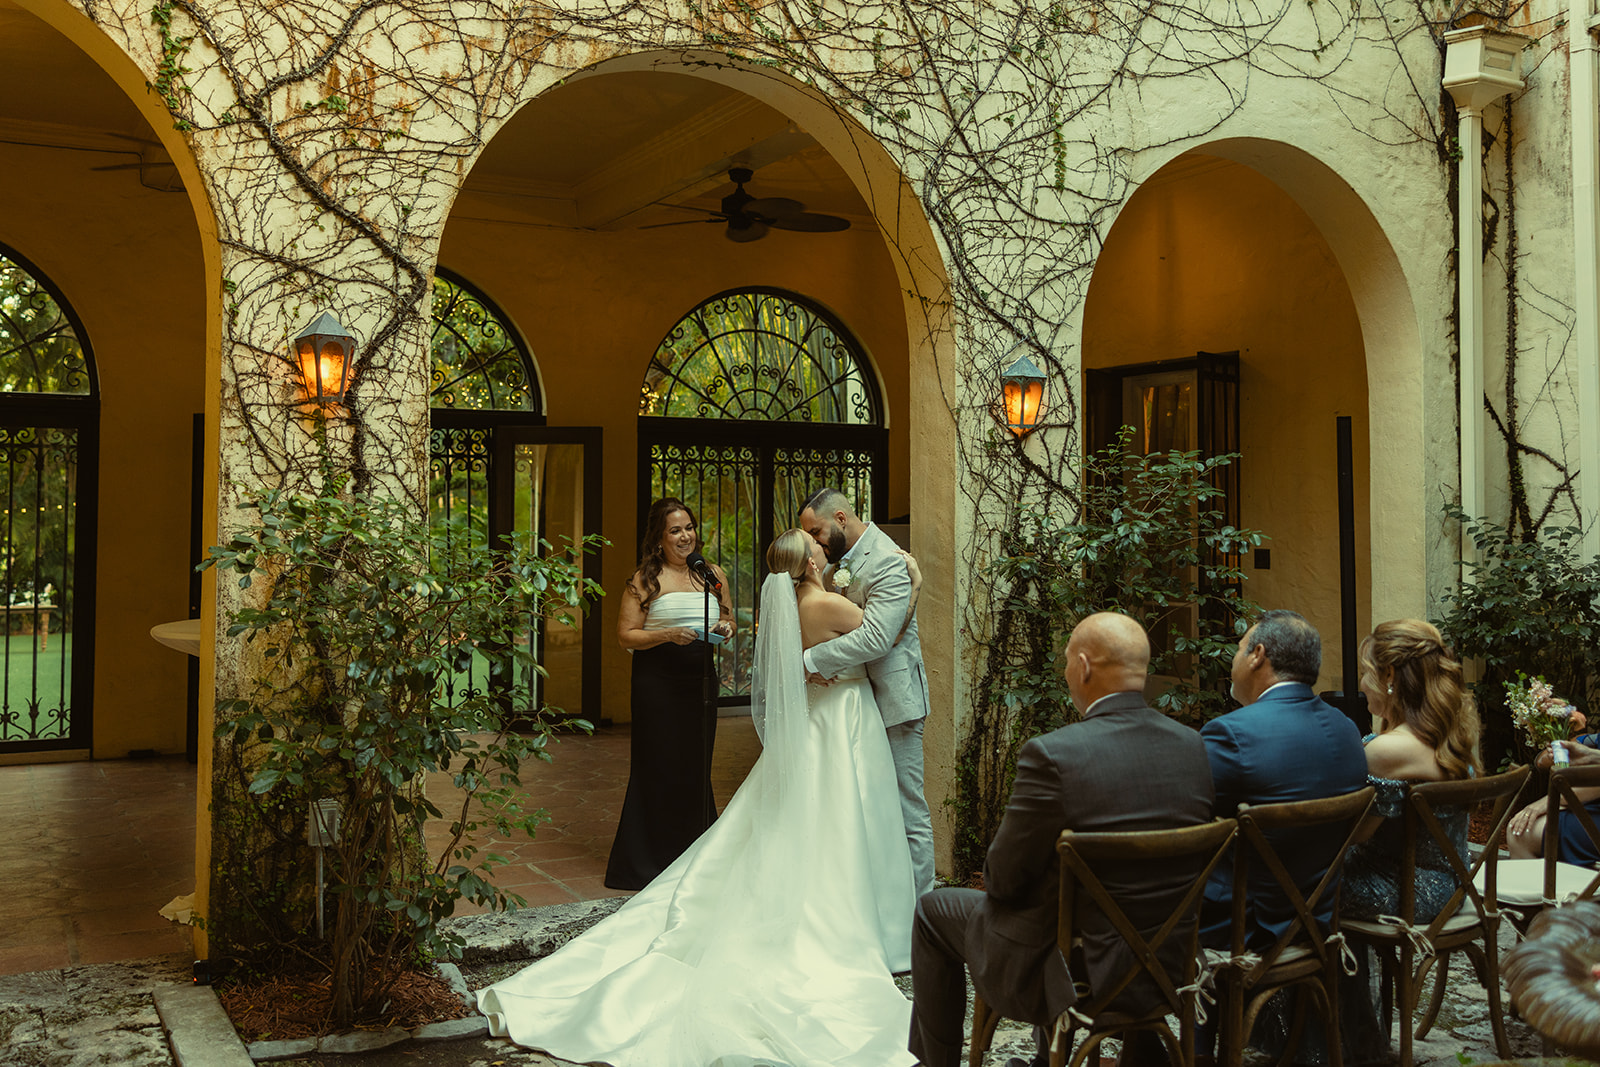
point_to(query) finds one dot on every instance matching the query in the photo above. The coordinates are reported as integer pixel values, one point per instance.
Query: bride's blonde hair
(789, 553)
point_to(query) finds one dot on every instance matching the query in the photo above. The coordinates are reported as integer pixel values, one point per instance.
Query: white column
(1586, 264)
(1480, 67)
(1469, 280)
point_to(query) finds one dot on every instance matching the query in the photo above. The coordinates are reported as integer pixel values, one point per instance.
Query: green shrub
(1147, 541)
(1528, 604)
(364, 616)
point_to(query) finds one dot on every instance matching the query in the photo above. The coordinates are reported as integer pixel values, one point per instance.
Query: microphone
(698, 564)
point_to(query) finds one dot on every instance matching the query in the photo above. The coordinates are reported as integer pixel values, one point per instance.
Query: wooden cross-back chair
(1469, 922)
(1084, 859)
(1302, 954)
(1527, 887)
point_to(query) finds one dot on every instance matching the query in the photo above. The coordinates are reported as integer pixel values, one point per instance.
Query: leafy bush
(366, 616)
(1148, 542)
(1526, 604)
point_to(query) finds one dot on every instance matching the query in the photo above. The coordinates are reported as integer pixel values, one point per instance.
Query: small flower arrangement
(842, 577)
(1542, 716)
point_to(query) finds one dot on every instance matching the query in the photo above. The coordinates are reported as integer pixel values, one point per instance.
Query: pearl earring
(1391, 690)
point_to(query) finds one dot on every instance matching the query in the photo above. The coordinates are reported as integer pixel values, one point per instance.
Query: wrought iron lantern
(1022, 387)
(324, 352)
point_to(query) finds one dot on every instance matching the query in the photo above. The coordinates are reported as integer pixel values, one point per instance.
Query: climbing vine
(334, 134)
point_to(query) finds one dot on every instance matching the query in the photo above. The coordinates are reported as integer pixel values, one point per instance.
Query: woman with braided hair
(1428, 733)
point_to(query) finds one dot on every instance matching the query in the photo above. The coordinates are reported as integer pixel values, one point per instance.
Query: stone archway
(1259, 247)
(595, 289)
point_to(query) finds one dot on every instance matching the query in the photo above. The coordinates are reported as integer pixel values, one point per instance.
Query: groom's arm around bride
(870, 571)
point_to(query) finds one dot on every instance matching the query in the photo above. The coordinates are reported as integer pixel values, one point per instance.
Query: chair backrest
(1084, 859)
(1423, 802)
(1257, 822)
(1563, 782)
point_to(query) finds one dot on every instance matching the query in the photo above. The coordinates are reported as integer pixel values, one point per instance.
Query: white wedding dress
(773, 937)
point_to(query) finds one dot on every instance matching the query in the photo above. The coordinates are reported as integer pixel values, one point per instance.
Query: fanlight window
(759, 355)
(479, 362)
(39, 349)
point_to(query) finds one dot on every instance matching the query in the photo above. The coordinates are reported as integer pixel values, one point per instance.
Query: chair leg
(1230, 1052)
(1441, 976)
(1059, 1050)
(1491, 985)
(1333, 1038)
(1405, 1000)
(985, 1021)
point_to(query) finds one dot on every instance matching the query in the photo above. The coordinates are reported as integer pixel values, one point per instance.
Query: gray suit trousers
(905, 745)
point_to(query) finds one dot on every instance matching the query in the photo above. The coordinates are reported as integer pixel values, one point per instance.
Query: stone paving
(103, 1014)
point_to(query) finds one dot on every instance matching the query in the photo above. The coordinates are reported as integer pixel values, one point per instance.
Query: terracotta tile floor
(90, 852)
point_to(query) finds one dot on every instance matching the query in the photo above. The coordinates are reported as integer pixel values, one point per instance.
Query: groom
(869, 570)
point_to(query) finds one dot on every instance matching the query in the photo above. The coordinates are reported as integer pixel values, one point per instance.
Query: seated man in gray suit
(871, 573)
(1125, 766)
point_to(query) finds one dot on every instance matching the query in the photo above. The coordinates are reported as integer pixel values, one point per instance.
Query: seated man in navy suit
(1284, 744)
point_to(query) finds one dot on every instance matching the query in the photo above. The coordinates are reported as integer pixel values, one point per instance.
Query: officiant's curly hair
(652, 557)
(789, 553)
(1427, 694)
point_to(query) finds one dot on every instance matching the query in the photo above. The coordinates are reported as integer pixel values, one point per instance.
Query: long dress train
(773, 936)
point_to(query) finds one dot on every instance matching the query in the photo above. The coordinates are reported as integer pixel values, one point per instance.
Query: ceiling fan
(750, 218)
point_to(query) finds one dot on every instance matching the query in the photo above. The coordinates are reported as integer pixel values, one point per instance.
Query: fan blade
(681, 222)
(811, 222)
(775, 207)
(743, 232)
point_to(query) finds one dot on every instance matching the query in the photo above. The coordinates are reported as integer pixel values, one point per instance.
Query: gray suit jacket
(1125, 767)
(881, 587)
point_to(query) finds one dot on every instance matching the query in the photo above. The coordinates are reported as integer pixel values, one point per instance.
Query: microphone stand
(708, 711)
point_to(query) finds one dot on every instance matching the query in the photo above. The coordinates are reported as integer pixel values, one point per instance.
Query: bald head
(1107, 653)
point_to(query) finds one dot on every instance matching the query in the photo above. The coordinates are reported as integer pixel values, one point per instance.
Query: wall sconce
(324, 352)
(1022, 386)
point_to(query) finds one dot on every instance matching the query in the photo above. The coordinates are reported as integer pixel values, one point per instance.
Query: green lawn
(54, 668)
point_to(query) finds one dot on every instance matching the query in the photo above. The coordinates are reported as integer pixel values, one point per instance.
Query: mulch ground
(284, 1007)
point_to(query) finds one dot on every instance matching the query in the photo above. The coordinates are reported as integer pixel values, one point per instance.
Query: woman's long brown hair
(1428, 692)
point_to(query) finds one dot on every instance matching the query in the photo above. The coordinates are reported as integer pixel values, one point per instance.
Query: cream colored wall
(128, 259)
(594, 306)
(1211, 256)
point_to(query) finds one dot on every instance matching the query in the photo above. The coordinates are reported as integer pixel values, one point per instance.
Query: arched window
(495, 470)
(479, 362)
(49, 433)
(760, 355)
(718, 410)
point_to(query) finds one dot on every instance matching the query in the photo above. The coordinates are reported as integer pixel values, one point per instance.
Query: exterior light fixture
(324, 352)
(1022, 388)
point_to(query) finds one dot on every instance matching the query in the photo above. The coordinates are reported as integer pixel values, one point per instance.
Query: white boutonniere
(842, 577)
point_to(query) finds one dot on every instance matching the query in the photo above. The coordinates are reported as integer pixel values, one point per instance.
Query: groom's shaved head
(1107, 653)
(826, 501)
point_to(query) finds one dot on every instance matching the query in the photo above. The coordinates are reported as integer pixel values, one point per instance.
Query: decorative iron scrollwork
(479, 363)
(762, 355)
(40, 351)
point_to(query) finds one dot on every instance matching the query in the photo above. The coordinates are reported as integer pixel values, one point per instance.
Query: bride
(772, 939)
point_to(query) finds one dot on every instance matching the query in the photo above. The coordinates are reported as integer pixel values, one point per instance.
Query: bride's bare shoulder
(820, 606)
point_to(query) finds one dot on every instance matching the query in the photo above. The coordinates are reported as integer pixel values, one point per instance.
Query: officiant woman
(662, 615)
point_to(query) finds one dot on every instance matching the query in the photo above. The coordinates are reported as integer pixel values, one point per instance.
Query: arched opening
(49, 478)
(109, 206)
(720, 406)
(1257, 249)
(578, 217)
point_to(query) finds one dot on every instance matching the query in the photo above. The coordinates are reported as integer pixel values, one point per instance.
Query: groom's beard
(835, 548)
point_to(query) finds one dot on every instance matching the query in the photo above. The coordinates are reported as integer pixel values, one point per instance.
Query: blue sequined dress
(1369, 888)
